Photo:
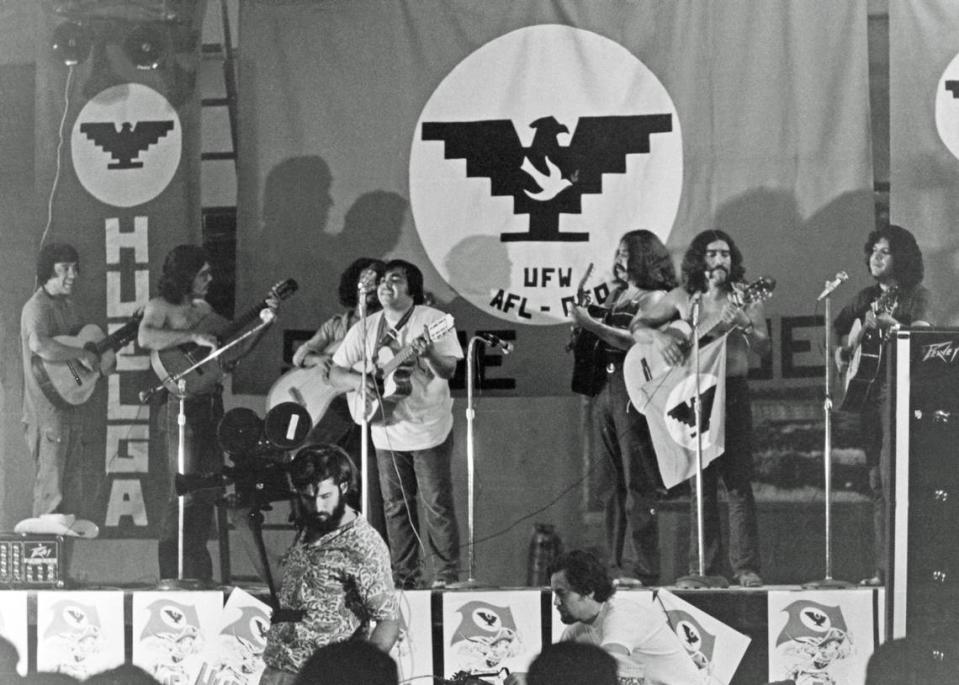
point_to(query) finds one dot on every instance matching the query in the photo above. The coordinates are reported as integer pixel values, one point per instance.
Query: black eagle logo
(547, 179)
(488, 618)
(685, 412)
(953, 87)
(692, 639)
(127, 143)
(816, 617)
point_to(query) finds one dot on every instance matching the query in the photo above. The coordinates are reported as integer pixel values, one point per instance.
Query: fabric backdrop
(123, 204)
(924, 138)
(504, 146)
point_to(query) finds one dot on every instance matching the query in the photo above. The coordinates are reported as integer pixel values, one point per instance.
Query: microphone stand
(179, 381)
(828, 582)
(699, 580)
(365, 421)
(471, 581)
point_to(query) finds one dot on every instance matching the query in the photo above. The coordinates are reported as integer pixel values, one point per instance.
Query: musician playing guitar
(712, 271)
(337, 426)
(180, 314)
(54, 434)
(897, 298)
(642, 275)
(414, 445)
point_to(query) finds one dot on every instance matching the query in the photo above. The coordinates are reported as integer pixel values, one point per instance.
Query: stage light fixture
(145, 45)
(71, 43)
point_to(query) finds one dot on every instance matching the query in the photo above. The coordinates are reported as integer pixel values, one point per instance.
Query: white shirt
(656, 656)
(425, 417)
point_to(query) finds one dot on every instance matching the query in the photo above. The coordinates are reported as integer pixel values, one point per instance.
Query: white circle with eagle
(531, 159)
(126, 145)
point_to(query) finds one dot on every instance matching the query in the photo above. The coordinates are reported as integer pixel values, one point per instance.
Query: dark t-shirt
(913, 304)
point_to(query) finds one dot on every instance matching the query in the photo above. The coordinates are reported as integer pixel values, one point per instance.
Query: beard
(320, 524)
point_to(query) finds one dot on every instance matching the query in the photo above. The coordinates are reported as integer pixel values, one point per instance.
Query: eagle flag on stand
(669, 406)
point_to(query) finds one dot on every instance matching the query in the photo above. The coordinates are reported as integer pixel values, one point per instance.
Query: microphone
(267, 315)
(496, 341)
(367, 279)
(833, 284)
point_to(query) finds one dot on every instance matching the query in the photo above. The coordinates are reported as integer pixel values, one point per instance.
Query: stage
(209, 634)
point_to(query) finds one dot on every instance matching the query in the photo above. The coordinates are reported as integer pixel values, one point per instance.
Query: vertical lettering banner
(117, 149)
(924, 138)
(504, 146)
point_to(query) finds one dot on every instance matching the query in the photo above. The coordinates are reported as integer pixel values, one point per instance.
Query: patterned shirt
(343, 582)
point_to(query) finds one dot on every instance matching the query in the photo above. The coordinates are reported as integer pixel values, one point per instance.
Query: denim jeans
(52, 446)
(735, 467)
(426, 472)
(621, 440)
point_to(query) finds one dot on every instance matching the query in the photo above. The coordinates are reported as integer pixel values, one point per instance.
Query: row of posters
(193, 637)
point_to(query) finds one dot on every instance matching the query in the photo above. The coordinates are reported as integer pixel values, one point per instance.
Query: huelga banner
(117, 150)
(504, 146)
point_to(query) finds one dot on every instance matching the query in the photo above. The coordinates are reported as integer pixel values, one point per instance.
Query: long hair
(649, 265)
(414, 278)
(50, 255)
(694, 261)
(179, 269)
(349, 279)
(907, 264)
(316, 463)
(584, 574)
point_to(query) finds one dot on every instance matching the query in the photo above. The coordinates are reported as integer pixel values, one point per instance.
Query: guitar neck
(119, 337)
(243, 320)
(398, 360)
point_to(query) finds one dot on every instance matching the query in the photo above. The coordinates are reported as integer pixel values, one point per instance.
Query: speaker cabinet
(923, 575)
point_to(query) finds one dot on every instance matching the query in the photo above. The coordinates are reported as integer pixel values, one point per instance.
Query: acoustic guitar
(68, 384)
(308, 387)
(585, 346)
(644, 362)
(393, 374)
(173, 361)
(862, 370)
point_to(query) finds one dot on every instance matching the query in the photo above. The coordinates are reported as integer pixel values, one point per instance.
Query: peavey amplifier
(31, 561)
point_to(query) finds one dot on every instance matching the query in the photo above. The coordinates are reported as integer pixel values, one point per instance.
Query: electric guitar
(393, 375)
(862, 368)
(68, 384)
(175, 360)
(644, 362)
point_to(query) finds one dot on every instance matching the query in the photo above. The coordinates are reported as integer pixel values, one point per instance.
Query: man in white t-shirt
(646, 649)
(414, 435)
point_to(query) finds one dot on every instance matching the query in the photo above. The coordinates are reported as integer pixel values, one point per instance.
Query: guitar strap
(390, 336)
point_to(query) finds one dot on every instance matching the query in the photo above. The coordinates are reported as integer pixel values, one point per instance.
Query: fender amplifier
(31, 561)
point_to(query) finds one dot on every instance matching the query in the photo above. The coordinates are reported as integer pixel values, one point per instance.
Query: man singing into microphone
(712, 272)
(414, 443)
(897, 298)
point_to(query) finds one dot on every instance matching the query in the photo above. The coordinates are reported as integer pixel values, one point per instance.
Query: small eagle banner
(670, 406)
(716, 648)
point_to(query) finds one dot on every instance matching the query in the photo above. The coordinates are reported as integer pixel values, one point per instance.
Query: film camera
(261, 451)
